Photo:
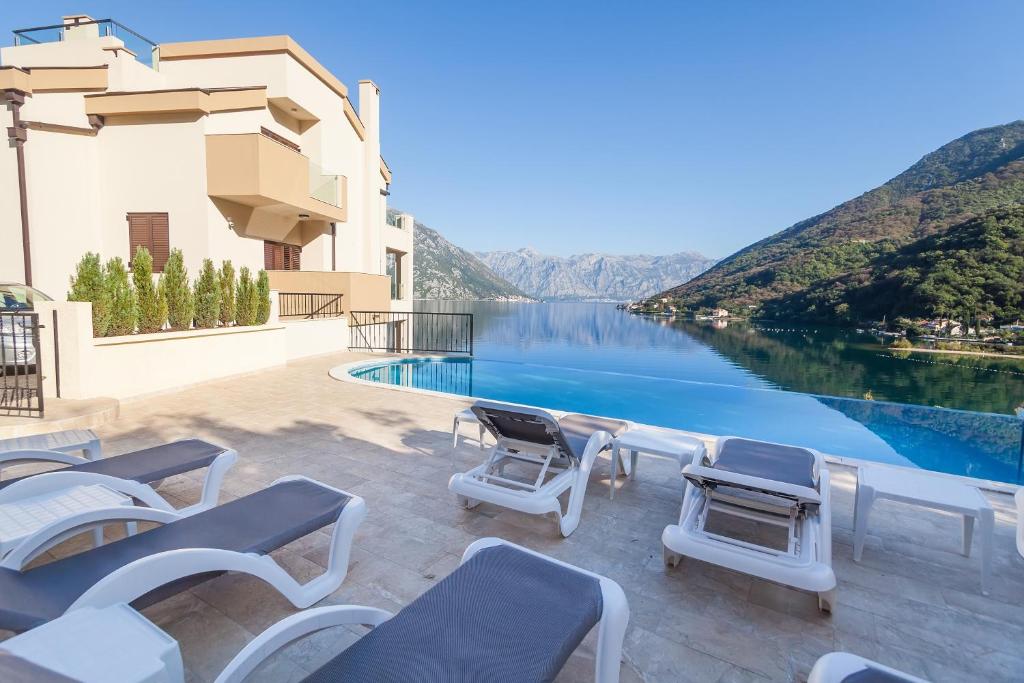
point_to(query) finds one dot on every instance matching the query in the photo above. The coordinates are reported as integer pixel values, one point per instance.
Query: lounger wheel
(671, 559)
(826, 600)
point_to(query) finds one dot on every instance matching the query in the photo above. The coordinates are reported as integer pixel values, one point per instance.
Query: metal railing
(21, 368)
(401, 332)
(94, 28)
(309, 305)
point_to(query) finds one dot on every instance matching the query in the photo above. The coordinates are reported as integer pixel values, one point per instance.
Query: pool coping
(343, 372)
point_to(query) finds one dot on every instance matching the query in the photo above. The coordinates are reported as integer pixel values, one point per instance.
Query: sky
(634, 127)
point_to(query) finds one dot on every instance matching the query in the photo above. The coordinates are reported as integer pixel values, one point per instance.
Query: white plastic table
(68, 441)
(929, 491)
(466, 417)
(90, 645)
(661, 442)
(22, 518)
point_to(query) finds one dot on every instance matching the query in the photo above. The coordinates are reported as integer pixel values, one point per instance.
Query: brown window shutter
(268, 256)
(150, 230)
(294, 257)
(160, 247)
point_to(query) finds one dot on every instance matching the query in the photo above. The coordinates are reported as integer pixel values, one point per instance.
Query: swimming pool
(976, 444)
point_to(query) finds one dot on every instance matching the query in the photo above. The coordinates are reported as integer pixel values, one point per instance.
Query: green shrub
(161, 300)
(226, 277)
(262, 298)
(150, 317)
(180, 305)
(207, 296)
(124, 312)
(87, 284)
(245, 313)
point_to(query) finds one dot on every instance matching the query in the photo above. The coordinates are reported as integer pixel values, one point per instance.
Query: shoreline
(987, 354)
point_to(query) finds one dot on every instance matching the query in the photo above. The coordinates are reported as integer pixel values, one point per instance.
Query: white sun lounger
(1019, 497)
(767, 483)
(237, 536)
(563, 451)
(843, 667)
(505, 614)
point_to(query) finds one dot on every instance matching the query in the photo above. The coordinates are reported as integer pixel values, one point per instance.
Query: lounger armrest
(706, 477)
(292, 628)
(49, 482)
(65, 528)
(26, 456)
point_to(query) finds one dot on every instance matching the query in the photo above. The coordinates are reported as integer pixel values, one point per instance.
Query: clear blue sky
(635, 127)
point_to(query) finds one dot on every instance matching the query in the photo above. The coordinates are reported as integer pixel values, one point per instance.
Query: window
(277, 256)
(149, 230)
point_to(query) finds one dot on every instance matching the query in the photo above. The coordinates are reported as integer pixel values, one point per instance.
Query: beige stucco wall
(361, 291)
(316, 337)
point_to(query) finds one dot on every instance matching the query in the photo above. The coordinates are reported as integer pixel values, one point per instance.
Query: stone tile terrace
(913, 602)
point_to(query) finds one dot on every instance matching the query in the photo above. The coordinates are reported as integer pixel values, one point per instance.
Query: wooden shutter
(152, 231)
(277, 256)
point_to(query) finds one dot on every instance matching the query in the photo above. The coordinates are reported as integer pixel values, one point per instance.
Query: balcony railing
(91, 28)
(401, 332)
(309, 305)
(324, 187)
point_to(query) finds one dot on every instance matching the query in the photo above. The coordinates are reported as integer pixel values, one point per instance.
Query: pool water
(592, 359)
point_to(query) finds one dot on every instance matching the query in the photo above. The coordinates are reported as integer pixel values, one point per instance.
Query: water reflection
(699, 376)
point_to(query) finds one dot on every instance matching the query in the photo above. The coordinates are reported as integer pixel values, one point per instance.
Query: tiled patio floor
(913, 602)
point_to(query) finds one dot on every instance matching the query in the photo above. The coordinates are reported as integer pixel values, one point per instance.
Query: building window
(149, 230)
(393, 266)
(278, 256)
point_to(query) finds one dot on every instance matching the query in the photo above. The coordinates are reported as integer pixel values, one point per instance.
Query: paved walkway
(913, 602)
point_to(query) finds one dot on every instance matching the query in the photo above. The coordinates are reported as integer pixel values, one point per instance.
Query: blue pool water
(593, 359)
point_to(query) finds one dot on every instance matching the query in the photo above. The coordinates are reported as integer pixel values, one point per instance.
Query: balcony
(270, 191)
(83, 27)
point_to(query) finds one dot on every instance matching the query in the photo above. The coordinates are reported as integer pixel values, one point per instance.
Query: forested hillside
(843, 265)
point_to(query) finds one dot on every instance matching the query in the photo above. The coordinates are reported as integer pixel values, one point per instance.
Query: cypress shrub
(161, 301)
(227, 293)
(150, 317)
(245, 313)
(262, 297)
(87, 284)
(207, 296)
(124, 313)
(180, 305)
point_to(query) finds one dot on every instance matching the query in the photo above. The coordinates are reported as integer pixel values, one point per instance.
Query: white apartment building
(244, 148)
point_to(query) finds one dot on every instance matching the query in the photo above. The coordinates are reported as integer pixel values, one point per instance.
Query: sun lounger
(771, 484)
(562, 450)
(843, 667)
(236, 536)
(506, 614)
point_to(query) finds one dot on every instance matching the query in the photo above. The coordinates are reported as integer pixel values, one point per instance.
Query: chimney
(373, 202)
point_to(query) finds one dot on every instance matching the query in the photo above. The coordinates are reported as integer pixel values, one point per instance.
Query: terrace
(913, 602)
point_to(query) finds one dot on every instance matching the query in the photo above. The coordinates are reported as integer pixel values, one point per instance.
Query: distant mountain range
(593, 277)
(945, 238)
(442, 270)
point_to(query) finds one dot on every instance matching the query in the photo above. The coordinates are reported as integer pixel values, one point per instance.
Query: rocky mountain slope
(593, 277)
(442, 270)
(845, 264)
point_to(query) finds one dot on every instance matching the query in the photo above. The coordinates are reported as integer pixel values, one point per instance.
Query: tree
(180, 305)
(124, 311)
(226, 276)
(207, 296)
(152, 315)
(262, 297)
(246, 301)
(87, 284)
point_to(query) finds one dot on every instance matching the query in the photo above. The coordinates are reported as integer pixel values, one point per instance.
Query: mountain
(862, 259)
(442, 270)
(593, 277)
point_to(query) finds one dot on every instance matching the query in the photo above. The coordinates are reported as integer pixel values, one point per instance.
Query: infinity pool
(976, 444)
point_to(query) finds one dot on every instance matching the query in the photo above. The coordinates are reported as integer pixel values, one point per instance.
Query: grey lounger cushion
(504, 615)
(570, 434)
(257, 523)
(768, 461)
(150, 464)
(872, 675)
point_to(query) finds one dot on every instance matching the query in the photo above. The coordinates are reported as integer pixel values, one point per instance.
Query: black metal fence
(309, 305)
(21, 366)
(399, 332)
